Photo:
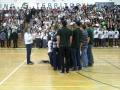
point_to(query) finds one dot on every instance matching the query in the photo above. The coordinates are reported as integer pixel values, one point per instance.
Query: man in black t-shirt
(64, 39)
(75, 47)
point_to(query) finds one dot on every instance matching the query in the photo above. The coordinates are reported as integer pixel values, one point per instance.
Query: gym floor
(16, 75)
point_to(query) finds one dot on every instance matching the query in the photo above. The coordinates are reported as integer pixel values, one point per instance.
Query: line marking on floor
(10, 74)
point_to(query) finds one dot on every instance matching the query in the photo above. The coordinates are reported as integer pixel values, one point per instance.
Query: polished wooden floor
(16, 75)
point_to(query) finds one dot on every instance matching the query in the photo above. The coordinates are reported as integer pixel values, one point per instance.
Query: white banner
(47, 3)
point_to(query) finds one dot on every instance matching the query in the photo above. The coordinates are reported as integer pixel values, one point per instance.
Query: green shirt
(90, 35)
(77, 38)
(64, 34)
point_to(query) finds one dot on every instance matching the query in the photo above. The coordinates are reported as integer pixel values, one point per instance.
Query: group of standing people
(67, 49)
(104, 37)
(71, 48)
(7, 36)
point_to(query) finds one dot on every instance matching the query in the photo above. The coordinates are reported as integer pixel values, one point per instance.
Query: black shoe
(30, 63)
(74, 69)
(90, 65)
(67, 71)
(55, 69)
(79, 68)
(62, 72)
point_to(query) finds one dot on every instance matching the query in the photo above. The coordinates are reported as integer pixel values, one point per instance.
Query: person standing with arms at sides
(96, 36)
(28, 42)
(75, 47)
(2, 38)
(64, 40)
(116, 37)
(90, 44)
(15, 38)
(84, 46)
(9, 36)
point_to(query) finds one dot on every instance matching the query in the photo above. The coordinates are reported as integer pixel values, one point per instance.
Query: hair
(89, 24)
(64, 23)
(49, 37)
(83, 26)
(78, 23)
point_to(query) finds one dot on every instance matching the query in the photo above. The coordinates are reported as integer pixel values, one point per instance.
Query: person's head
(83, 27)
(72, 25)
(64, 23)
(77, 23)
(49, 38)
(27, 28)
(89, 25)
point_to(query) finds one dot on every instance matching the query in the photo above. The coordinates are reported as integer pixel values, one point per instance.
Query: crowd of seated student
(105, 23)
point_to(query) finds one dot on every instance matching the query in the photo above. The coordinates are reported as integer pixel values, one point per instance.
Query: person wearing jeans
(75, 47)
(90, 45)
(28, 42)
(84, 47)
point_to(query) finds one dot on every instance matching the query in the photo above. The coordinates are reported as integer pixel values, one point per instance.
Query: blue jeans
(84, 56)
(76, 57)
(90, 55)
(50, 57)
(28, 49)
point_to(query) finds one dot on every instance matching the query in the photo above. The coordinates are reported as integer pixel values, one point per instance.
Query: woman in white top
(106, 37)
(116, 36)
(28, 42)
(110, 36)
(96, 35)
(102, 38)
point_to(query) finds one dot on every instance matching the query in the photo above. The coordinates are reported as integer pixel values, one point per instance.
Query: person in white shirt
(28, 42)
(34, 38)
(38, 39)
(96, 39)
(106, 37)
(102, 38)
(45, 40)
(111, 36)
(116, 36)
(50, 47)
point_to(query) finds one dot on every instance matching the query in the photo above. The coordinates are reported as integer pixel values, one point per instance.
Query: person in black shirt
(15, 39)
(75, 47)
(9, 36)
(64, 40)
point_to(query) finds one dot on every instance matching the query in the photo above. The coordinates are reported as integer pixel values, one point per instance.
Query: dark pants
(116, 42)
(119, 41)
(34, 43)
(96, 42)
(38, 43)
(106, 43)
(110, 42)
(50, 57)
(76, 58)
(28, 49)
(2, 43)
(55, 58)
(15, 41)
(44, 43)
(90, 55)
(103, 42)
(65, 58)
(8, 43)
